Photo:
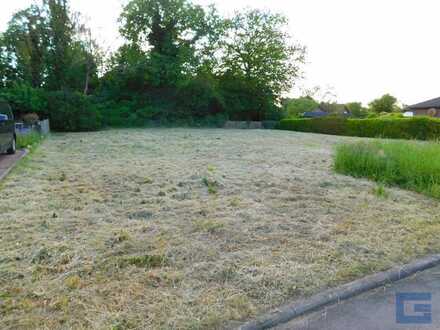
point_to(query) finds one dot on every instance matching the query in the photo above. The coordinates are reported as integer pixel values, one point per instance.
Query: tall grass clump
(28, 140)
(410, 165)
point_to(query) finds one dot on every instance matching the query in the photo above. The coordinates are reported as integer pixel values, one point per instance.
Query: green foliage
(199, 97)
(356, 110)
(28, 140)
(296, 107)
(380, 191)
(410, 165)
(422, 128)
(25, 99)
(181, 64)
(212, 185)
(172, 28)
(24, 46)
(328, 125)
(73, 111)
(145, 261)
(386, 103)
(259, 60)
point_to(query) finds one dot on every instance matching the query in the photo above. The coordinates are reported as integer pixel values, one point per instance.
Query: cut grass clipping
(410, 165)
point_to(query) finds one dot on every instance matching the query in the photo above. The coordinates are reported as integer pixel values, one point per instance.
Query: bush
(328, 125)
(411, 165)
(422, 128)
(25, 99)
(73, 112)
(199, 97)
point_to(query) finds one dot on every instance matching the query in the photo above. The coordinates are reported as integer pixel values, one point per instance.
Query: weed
(146, 261)
(63, 177)
(73, 282)
(210, 226)
(118, 238)
(235, 202)
(212, 185)
(380, 191)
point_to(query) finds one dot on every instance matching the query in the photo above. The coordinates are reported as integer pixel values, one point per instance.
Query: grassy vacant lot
(191, 229)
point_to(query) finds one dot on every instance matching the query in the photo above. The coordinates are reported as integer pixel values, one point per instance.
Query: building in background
(429, 108)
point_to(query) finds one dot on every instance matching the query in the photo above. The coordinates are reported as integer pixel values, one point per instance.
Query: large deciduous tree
(60, 36)
(169, 30)
(260, 53)
(386, 103)
(24, 46)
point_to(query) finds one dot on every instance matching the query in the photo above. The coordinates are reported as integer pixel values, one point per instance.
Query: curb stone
(9, 169)
(289, 312)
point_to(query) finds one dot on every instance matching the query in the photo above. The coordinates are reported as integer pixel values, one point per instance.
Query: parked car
(7, 129)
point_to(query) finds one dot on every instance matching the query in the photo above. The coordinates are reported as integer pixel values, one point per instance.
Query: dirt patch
(191, 229)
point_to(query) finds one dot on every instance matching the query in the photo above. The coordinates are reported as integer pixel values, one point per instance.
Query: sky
(357, 49)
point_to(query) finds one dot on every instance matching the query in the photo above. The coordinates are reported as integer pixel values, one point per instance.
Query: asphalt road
(376, 310)
(7, 162)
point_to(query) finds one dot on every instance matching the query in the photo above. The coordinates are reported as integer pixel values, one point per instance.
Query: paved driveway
(7, 162)
(376, 310)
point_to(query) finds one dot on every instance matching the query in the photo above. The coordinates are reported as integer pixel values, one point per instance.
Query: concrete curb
(291, 311)
(9, 169)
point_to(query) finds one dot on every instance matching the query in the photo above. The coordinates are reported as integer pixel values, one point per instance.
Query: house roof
(333, 108)
(434, 103)
(315, 113)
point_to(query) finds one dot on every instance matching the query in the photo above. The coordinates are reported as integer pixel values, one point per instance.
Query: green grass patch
(212, 185)
(380, 191)
(29, 140)
(145, 261)
(410, 165)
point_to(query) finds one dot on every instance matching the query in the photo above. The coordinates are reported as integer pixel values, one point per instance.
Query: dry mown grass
(190, 229)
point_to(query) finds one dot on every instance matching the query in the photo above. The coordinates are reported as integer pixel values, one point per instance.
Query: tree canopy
(386, 103)
(179, 61)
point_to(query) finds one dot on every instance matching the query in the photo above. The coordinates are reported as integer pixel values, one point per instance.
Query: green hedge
(421, 128)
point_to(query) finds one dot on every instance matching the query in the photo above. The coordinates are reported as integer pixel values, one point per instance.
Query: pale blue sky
(362, 49)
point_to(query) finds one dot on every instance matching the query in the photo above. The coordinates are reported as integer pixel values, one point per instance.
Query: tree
(87, 57)
(296, 107)
(24, 46)
(60, 36)
(258, 51)
(356, 109)
(170, 30)
(386, 103)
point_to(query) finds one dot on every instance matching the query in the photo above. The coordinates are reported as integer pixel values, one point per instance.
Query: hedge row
(421, 128)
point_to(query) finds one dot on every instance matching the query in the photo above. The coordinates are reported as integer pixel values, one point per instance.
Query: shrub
(199, 97)
(74, 112)
(411, 165)
(422, 128)
(328, 125)
(25, 99)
